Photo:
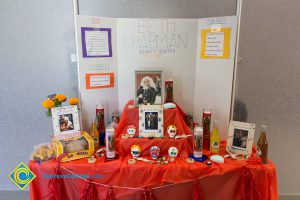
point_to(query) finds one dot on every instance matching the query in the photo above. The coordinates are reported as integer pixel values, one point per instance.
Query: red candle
(100, 118)
(206, 118)
(169, 91)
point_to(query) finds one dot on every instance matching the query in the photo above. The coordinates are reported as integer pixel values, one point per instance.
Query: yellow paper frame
(226, 48)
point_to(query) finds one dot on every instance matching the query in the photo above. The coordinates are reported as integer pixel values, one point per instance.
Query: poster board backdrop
(169, 45)
(97, 69)
(214, 76)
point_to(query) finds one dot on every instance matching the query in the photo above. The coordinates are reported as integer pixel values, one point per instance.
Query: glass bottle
(95, 133)
(262, 145)
(215, 139)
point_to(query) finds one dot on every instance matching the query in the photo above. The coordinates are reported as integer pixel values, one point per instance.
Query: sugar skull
(131, 130)
(172, 130)
(173, 152)
(154, 152)
(135, 151)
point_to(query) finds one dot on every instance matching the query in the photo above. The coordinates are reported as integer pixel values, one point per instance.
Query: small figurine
(135, 151)
(131, 130)
(154, 152)
(172, 130)
(173, 152)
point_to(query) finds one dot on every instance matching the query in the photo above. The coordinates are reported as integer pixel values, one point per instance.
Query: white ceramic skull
(135, 151)
(172, 130)
(131, 130)
(173, 152)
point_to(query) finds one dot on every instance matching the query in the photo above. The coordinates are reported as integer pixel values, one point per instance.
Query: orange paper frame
(88, 80)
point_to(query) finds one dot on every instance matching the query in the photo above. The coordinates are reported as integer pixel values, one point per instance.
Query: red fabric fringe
(110, 194)
(196, 190)
(90, 192)
(55, 185)
(248, 185)
(147, 195)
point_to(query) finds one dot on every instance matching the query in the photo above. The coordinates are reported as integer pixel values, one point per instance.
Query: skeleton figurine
(135, 151)
(173, 152)
(154, 152)
(172, 130)
(131, 130)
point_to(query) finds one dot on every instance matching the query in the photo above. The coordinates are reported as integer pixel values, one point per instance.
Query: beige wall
(268, 81)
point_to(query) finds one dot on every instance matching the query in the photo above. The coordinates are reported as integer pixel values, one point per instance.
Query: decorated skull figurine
(131, 130)
(172, 130)
(135, 151)
(154, 152)
(173, 152)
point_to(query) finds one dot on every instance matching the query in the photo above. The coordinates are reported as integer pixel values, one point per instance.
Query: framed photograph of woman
(240, 138)
(148, 88)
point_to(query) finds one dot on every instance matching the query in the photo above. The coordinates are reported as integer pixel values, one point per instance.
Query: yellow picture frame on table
(222, 34)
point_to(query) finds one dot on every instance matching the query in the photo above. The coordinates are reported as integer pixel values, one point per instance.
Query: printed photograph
(240, 138)
(148, 88)
(66, 122)
(151, 120)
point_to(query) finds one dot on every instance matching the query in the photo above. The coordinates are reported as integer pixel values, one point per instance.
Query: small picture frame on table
(65, 120)
(148, 88)
(151, 121)
(240, 138)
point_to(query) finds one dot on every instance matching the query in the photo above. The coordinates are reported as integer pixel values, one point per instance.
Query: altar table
(231, 180)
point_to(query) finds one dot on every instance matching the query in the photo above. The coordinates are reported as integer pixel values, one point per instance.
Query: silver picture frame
(151, 121)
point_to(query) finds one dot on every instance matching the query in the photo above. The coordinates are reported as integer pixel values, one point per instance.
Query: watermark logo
(21, 176)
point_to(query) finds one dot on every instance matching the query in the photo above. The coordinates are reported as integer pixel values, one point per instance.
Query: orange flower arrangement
(55, 100)
(48, 103)
(73, 101)
(60, 97)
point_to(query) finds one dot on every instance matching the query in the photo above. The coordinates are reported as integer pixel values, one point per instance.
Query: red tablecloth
(175, 181)
(130, 116)
(174, 116)
(231, 180)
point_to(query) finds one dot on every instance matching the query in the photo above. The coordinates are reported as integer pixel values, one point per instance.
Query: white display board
(170, 45)
(214, 76)
(158, 44)
(97, 69)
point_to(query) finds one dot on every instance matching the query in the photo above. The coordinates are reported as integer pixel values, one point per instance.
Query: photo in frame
(240, 138)
(148, 88)
(151, 121)
(65, 120)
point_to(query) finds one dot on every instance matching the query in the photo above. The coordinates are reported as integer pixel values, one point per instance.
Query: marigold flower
(48, 103)
(73, 101)
(61, 97)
